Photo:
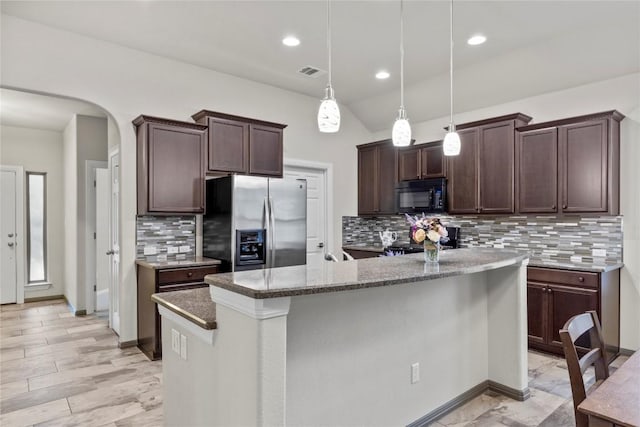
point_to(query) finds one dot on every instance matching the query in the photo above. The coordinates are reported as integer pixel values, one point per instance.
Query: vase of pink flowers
(430, 232)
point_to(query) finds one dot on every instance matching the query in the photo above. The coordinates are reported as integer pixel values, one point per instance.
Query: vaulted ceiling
(533, 47)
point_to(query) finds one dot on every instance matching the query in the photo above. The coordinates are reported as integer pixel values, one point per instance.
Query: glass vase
(431, 251)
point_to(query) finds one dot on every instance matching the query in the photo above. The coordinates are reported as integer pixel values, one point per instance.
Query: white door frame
(327, 171)
(90, 167)
(21, 252)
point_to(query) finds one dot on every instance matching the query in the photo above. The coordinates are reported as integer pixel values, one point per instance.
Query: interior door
(102, 239)
(114, 237)
(9, 292)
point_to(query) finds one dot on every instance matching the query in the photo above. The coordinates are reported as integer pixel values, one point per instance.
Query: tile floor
(61, 370)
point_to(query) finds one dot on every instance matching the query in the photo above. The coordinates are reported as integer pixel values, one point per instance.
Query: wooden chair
(573, 329)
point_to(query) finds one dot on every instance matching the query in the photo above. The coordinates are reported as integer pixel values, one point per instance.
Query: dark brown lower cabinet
(156, 280)
(554, 296)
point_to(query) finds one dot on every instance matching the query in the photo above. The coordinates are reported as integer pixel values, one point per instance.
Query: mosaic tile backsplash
(593, 239)
(165, 238)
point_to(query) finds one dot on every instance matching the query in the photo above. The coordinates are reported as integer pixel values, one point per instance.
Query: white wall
(127, 83)
(70, 159)
(622, 94)
(41, 151)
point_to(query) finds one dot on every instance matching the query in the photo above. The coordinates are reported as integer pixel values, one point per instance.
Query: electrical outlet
(175, 341)
(415, 373)
(183, 347)
(150, 250)
(185, 248)
(599, 252)
(172, 249)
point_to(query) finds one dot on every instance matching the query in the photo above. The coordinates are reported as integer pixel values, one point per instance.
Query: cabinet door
(432, 164)
(564, 303)
(496, 168)
(537, 171)
(408, 164)
(265, 150)
(537, 317)
(387, 178)
(176, 169)
(228, 146)
(368, 181)
(583, 160)
(462, 174)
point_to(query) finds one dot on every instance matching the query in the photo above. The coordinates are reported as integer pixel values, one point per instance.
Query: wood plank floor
(61, 370)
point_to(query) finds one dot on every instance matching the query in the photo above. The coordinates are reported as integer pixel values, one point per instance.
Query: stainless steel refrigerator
(254, 222)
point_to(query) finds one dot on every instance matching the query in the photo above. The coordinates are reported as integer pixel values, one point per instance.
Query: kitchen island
(381, 341)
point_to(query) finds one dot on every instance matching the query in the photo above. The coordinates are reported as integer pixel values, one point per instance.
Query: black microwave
(422, 196)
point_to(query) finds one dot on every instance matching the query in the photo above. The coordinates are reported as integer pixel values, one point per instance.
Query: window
(37, 226)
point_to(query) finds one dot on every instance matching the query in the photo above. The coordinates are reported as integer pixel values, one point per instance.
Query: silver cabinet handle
(321, 245)
(110, 252)
(10, 244)
(10, 235)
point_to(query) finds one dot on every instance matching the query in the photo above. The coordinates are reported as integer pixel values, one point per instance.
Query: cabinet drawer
(179, 275)
(573, 278)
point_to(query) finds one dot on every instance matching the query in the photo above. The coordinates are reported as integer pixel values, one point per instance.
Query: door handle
(321, 245)
(10, 244)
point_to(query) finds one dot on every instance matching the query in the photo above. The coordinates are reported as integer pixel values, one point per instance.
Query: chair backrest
(572, 330)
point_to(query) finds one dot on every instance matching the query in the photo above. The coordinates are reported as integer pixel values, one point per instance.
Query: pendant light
(451, 145)
(329, 112)
(401, 132)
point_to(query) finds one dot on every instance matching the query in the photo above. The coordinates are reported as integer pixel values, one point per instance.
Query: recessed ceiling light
(476, 40)
(381, 75)
(290, 41)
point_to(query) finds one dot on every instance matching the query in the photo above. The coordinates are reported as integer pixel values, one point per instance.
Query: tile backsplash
(596, 239)
(162, 238)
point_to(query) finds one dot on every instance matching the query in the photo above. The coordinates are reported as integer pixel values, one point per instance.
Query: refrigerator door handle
(272, 230)
(266, 224)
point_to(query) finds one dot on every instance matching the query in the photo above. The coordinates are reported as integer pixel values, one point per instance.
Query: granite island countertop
(362, 273)
(194, 305)
(188, 262)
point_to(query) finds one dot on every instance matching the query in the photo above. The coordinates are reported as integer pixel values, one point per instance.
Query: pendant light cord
(329, 37)
(401, 55)
(451, 64)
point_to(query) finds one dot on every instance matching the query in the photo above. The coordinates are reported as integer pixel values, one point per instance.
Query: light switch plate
(175, 341)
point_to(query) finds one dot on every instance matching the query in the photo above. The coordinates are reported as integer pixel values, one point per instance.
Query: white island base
(345, 358)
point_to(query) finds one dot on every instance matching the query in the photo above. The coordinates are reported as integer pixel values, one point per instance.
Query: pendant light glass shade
(401, 133)
(329, 113)
(451, 144)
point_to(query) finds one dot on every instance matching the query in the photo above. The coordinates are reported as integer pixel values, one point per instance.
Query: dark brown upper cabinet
(537, 163)
(570, 165)
(481, 177)
(242, 145)
(377, 178)
(171, 158)
(421, 162)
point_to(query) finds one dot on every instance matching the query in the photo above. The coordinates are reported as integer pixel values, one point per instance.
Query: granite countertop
(194, 305)
(363, 248)
(575, 265)
(363, 273)
(189, 262)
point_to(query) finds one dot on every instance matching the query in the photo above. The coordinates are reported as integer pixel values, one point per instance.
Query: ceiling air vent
(310, 71)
